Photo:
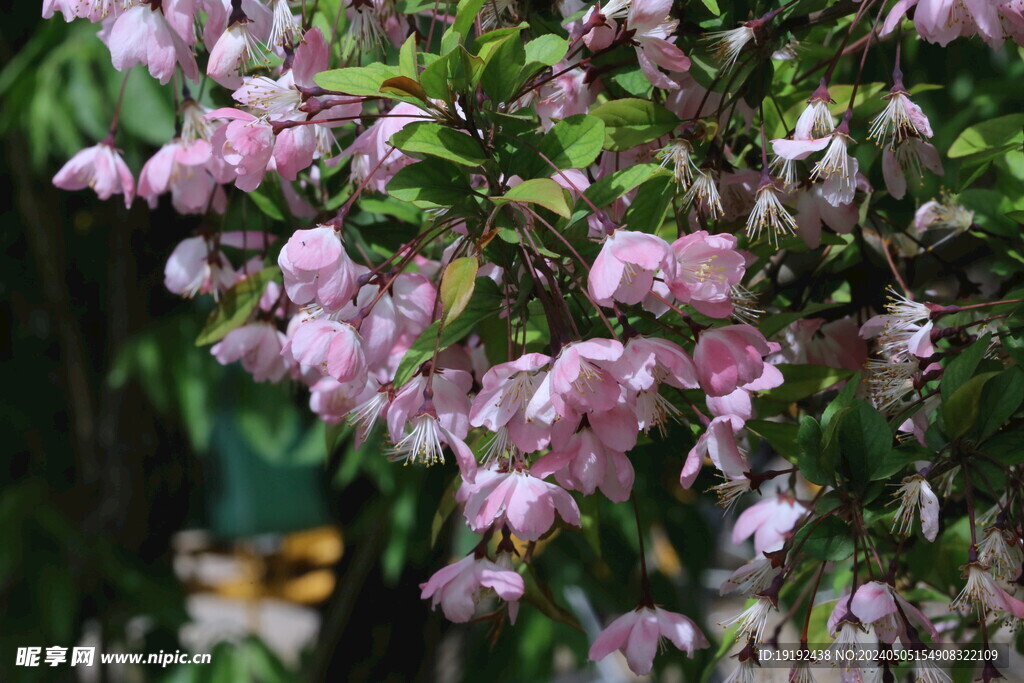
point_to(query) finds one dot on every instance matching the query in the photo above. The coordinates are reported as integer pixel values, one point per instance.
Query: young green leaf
(540, 191)
(427, 137)
(631, 122)
(457, 284)
(235, 306)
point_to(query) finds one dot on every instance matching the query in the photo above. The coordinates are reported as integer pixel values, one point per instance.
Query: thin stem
(646, 598)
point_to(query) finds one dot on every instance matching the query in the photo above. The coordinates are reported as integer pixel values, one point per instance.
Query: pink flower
(719, 443)
(245, 143)
(578, 381)
(197, 266)
(317, 268)
(258, 346)
(516, 498)
(638, 633)
(101, 168)
(907, 160)
(593, 456)
(653, 27)
(449, 403)
(567, 95)
(706, 268)
(460, 586)
(235, 48)
(768, 522)
(835, 344)
(142, 36)
(813, 210)
(940, 21)
(878, 605)
(501, 402)
(332, 347)
(624, 270)
(649, 361)
(180, 168)
(730, 357)
(372, 156)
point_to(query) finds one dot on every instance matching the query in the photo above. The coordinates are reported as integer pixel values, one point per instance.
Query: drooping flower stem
(646, 597)
(117, 109)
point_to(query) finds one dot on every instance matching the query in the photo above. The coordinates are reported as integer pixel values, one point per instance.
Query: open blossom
(101, 168)
(1001, 551)
(373, 158)
(235, 48)
(940, 21)
(707, 267)
(578, 381)
(332, 347)
(838, 168)
(180, 168)
(197, 266)
(258, 346)
(638, 633)
(816, 120)
(813, 211)
(879, 606)
(588, 452)
(982, 593)
(703, 194)
(768, 214)
(906, 161)
(501, 402)
(731, 357)
(246, 145)
(718, 442)
(142, 35)
(524, 502)
(653, 29)
(624, 270)
(678, 154)
(317, 268)
(459, 587)
(769, 522)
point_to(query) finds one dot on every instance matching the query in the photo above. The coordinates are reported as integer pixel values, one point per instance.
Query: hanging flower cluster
(591, 254)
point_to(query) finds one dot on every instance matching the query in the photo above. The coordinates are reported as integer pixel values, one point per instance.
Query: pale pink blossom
(769, 522)
(317, 268)
(524, 502)
(197, 266)
(578, 381)
(638, 633)
(449, 402)
(940, 21)
(813, 211)
(258, 346)
(625, 268)
(101, 168)
(649, 361)
(334, 348)
(718, 442)
(245, 144)
(706, 268)
(142, 35)
(235, 48)
(730, 357)
(459, 587)
(905, 162)
(372, 156)
(879, 606)
(180, 168)
(504, 395)
(653, 29)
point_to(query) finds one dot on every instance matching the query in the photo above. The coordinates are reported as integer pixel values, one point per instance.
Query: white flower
(839, 171)
(729, 44)
(678, 154)
(900, 121)
(422, 444)
(705, 190)
(915, 495)
(285, 29)
(1002, 553)
(753, 620)
(769, 214)
(889, 382)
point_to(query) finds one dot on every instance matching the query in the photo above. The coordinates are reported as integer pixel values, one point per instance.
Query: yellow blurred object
(319, 546)
(665, 557)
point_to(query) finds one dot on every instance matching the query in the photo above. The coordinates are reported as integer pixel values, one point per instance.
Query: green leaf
(647, 211)
(548, 49)
(1000, 399)
(539, 595)
(590, 519)
(364, 81)
(815, 465)
(574, 142)
(962, 367)
(457, 285)
(1006, 447)
(831, 539)
(865, 442)
(631, 122)
(433, 183)
(427, 137)
(464, 18)
(266, 205)
(712, 6)
(405, 87)
(456, 72)
(782, 436)
(1005, 131)
(235, 306)
(611, 187)
(500, 76)
(407, 61)
(960, 410)
(1017, 216)
(801, 381)
(485, 302)
(540, 191)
